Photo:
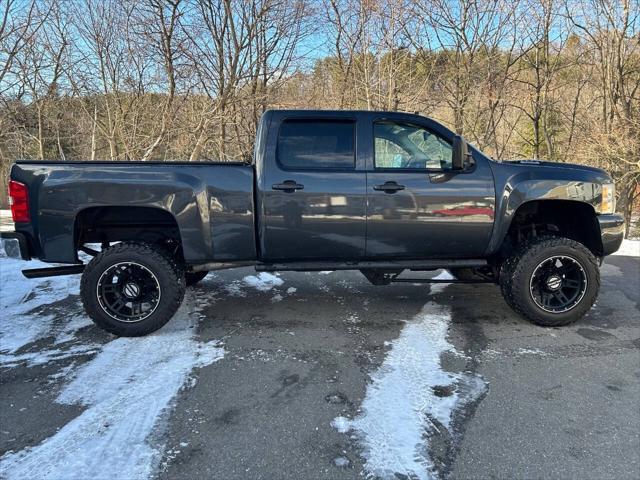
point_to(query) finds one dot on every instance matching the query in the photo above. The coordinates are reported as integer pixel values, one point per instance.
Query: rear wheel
(132, 289)
(552, 281)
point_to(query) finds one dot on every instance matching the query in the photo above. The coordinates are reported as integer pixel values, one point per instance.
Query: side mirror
(461, 156)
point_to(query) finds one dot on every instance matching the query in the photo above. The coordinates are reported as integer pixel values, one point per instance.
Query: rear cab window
(316, 145)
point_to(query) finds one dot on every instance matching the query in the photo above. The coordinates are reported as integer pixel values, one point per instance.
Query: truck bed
(211, 204)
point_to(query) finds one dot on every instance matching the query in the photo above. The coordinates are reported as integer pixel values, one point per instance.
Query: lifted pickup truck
(379, 192)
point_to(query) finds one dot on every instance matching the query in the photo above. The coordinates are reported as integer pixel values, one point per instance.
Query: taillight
(19, 201)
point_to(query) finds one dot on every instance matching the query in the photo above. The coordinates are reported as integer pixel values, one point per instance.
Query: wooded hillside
(188, 79)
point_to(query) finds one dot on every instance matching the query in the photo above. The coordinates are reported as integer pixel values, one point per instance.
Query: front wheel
(132, 289)
(552, 281)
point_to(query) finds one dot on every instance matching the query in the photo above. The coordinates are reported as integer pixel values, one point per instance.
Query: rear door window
(316, 145)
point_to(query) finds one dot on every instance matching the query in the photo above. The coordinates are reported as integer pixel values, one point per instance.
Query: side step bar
(53, 271)
(438, 280)
(369, 264)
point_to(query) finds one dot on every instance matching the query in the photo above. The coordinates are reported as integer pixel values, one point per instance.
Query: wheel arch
(154, 225)
(572, 219)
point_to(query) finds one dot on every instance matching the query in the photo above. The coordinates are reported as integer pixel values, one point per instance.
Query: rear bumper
(15, 245)
(611, 232)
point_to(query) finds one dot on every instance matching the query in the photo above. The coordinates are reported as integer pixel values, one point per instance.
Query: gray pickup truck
(379, 192)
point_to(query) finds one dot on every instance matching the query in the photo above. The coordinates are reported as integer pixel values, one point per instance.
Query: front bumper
(611, 232)
(15, 245)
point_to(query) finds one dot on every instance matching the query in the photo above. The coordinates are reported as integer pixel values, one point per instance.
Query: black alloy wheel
(558, 284)
(551, 281)
(132, 289)
(128, 292)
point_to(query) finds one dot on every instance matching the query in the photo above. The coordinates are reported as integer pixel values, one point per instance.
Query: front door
(313, 194)
(418, 206)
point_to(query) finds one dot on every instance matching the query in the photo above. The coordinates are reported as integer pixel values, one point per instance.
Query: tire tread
(155, 255)
(514, 268)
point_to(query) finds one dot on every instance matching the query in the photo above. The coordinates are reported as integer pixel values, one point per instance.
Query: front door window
(409, 147)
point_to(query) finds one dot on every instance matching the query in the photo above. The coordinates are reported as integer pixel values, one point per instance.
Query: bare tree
(19, 21)
(612, 28)
(461, 33)
(157, 79)
(239, 49)
(159, 21)
(39, 66)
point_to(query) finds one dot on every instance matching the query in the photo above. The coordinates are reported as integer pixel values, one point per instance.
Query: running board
(371, 264)
(438, 280)
(53, 271)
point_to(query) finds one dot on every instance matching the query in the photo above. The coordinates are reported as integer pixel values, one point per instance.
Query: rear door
(418, 206)
(312, 189)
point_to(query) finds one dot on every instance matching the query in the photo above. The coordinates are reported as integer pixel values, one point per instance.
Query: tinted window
(316, 144)
(401, 146)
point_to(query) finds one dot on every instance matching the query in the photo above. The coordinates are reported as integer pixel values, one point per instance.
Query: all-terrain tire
(516, 279)
(149, 259)
(506, 273)
(191, 278)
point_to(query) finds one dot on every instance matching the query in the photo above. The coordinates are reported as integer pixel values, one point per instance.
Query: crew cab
(379, 192)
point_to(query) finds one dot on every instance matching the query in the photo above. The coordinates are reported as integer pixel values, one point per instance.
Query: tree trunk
(40, 131)
(94, 132)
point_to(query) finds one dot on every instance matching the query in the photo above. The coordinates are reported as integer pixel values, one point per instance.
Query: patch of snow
(629, 248)
(276, 298)
(341, 462)
(291, 290)
(325, 272)
(40, 357)
(353, 318)
(404, 403)
(520, 352)
(20, 296)
(444, 275)
(531, 351)
(263, 281)
(438, 287)
(65, 372)
(235, 290)
(70, 328)
(342, 424)
(127, 388)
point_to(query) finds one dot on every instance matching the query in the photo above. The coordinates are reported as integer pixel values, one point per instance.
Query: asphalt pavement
(308, 348)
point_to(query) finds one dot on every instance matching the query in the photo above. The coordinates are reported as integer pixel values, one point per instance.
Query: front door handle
(388, 187)
(288, 186)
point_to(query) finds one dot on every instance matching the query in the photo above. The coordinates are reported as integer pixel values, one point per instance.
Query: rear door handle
(388, 187)
(288, 186)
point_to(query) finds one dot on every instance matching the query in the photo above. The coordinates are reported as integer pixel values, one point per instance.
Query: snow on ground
(41, 357)
(19, 297)
(629, 248)
(405, 404)
(263, 281)
(6, 222)
(126, 388)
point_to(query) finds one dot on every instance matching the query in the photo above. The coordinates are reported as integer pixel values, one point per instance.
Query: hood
(566, 166)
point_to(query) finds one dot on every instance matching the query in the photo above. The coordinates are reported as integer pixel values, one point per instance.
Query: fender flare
(521, 189)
